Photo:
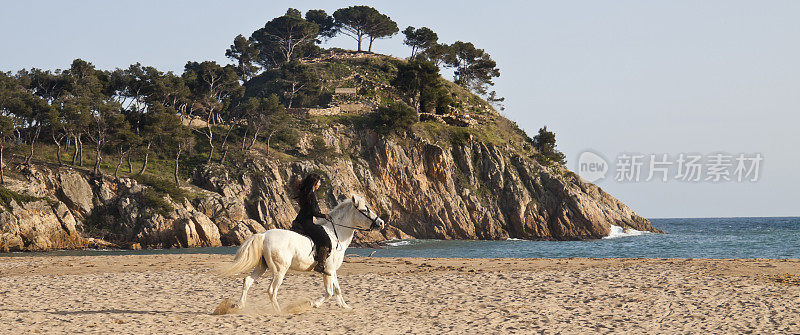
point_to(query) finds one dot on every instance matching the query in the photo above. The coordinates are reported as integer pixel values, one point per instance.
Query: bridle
(364, 213)
(374, 221)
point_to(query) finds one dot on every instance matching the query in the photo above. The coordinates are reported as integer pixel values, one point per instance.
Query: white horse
(280, 250)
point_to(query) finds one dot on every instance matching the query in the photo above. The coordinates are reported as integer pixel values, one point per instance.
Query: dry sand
(177, 293)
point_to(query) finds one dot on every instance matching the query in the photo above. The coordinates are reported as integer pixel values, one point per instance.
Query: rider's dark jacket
(309, 208)
(304, 222)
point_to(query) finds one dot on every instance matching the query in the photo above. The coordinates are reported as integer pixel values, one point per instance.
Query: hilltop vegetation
(282, 86)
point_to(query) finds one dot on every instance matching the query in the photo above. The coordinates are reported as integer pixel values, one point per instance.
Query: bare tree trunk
(210, 136)
(177, 159)
(370, 43)
(119, 163)
(225, 142)
(210, 151)
(80, 150)
(130, 164)
(417, 98)
(75, 153)
(33, 144)
(146, 154)
(244, 139)
(2, 164)
(253, 142)
(291, 97)
(269, 138)
(58, 149)
(97, 159)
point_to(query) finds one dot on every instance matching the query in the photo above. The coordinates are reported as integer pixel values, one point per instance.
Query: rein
(341, 225)
(334, 224)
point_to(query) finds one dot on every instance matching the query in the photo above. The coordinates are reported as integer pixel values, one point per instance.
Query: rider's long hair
(306, 186)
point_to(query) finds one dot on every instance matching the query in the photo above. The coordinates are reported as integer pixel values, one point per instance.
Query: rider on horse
(304, 222)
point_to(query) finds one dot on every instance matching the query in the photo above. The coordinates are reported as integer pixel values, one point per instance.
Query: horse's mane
(348, 201)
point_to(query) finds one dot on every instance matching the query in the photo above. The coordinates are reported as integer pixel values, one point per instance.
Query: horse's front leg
(327, 287)
(338, 292)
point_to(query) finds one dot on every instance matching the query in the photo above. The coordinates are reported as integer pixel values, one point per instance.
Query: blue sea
(774, 237)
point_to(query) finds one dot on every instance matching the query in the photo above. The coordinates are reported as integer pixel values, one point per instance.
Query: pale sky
(607, 76)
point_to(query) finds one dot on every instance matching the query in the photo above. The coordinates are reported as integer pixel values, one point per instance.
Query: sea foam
(617, 231)
(397, 243)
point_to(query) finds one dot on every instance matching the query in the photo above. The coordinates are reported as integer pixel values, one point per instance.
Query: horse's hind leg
(338, 292)
(327, 283)
(277, 279)
(250, 279)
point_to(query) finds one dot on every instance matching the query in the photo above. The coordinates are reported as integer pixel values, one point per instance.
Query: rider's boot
(320, 257)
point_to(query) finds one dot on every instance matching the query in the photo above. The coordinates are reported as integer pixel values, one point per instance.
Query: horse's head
(366, 218)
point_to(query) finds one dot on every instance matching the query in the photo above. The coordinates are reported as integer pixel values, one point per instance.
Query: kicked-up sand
(177, 294)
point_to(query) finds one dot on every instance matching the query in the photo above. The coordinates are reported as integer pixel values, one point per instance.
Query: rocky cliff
(469, 190)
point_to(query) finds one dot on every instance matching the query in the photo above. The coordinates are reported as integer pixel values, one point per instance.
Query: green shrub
(285, 139)
(163, 186)
(319, 149)
(155, 201)
(436, 98)
(459, 137)
(394, 116)
(102, 222)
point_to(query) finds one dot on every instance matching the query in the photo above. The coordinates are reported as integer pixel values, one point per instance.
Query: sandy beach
(178, 293)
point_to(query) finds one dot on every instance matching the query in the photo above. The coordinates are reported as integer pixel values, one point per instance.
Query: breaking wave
(617, 232)
(398, 243)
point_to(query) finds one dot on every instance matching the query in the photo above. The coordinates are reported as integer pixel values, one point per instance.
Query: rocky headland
(469, 190)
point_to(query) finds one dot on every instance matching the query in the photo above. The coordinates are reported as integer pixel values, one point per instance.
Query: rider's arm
(315, 208)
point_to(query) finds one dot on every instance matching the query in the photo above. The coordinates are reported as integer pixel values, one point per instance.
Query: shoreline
(178, 293)
(203, 251)
(360, 264)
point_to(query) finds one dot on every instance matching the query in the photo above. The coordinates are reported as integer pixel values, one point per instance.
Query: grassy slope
(376, 72)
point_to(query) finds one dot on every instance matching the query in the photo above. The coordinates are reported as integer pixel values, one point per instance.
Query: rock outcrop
(38, 226)
(471, 190)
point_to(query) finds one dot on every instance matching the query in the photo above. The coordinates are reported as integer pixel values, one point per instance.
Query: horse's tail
(247, 257)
